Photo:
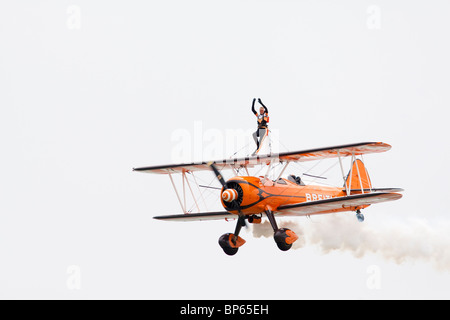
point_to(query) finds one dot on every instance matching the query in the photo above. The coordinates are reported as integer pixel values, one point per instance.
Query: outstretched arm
(265, 108)
(253, 107)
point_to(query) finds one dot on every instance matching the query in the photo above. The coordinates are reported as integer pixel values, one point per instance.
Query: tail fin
(358, 178)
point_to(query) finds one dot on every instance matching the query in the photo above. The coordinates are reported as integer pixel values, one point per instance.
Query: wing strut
(176, 191)
(282, 171)
(343, 174)
(192, 193)
(201, 193)
(359, 175)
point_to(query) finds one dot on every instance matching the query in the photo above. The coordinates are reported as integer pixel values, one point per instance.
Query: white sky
(91, 89)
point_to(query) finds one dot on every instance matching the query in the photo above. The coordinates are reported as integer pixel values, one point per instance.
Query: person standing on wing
(263, 120)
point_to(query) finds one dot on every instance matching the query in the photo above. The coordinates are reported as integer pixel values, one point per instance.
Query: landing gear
(359, 216)
(230, 242)
(284, 238)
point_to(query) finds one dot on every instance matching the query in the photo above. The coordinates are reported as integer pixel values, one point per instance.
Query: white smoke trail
(412, 240)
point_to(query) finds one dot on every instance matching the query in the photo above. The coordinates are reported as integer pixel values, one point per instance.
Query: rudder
(358, 177)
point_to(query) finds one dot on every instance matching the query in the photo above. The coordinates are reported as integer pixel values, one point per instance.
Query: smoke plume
(413, 240)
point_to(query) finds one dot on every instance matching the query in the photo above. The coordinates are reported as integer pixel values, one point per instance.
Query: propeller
(241, 220)
(218, 175)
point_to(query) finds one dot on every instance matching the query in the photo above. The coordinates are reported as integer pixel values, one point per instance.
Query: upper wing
(221, 215)
(335, 204)
(296, 156)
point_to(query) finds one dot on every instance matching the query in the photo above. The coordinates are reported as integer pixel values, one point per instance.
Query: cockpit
(296, 179)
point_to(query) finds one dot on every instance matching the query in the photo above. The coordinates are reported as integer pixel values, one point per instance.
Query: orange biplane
(248, 198)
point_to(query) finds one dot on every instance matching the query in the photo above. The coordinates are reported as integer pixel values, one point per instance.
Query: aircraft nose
(229, 195)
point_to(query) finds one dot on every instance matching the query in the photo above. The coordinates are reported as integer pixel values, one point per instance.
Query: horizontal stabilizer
(388, 190)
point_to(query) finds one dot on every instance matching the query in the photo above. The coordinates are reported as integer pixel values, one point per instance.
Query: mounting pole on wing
(230, 242)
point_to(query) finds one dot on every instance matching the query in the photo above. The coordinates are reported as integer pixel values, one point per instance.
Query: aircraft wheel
(359, 216)
(226, 243)
(284, 238)
(230, 251)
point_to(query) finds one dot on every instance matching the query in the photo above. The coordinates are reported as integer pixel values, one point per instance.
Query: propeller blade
(218, 175)
(241, 220)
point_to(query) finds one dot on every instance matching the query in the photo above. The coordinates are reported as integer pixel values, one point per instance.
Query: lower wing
(347, 203)
(220, 215)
